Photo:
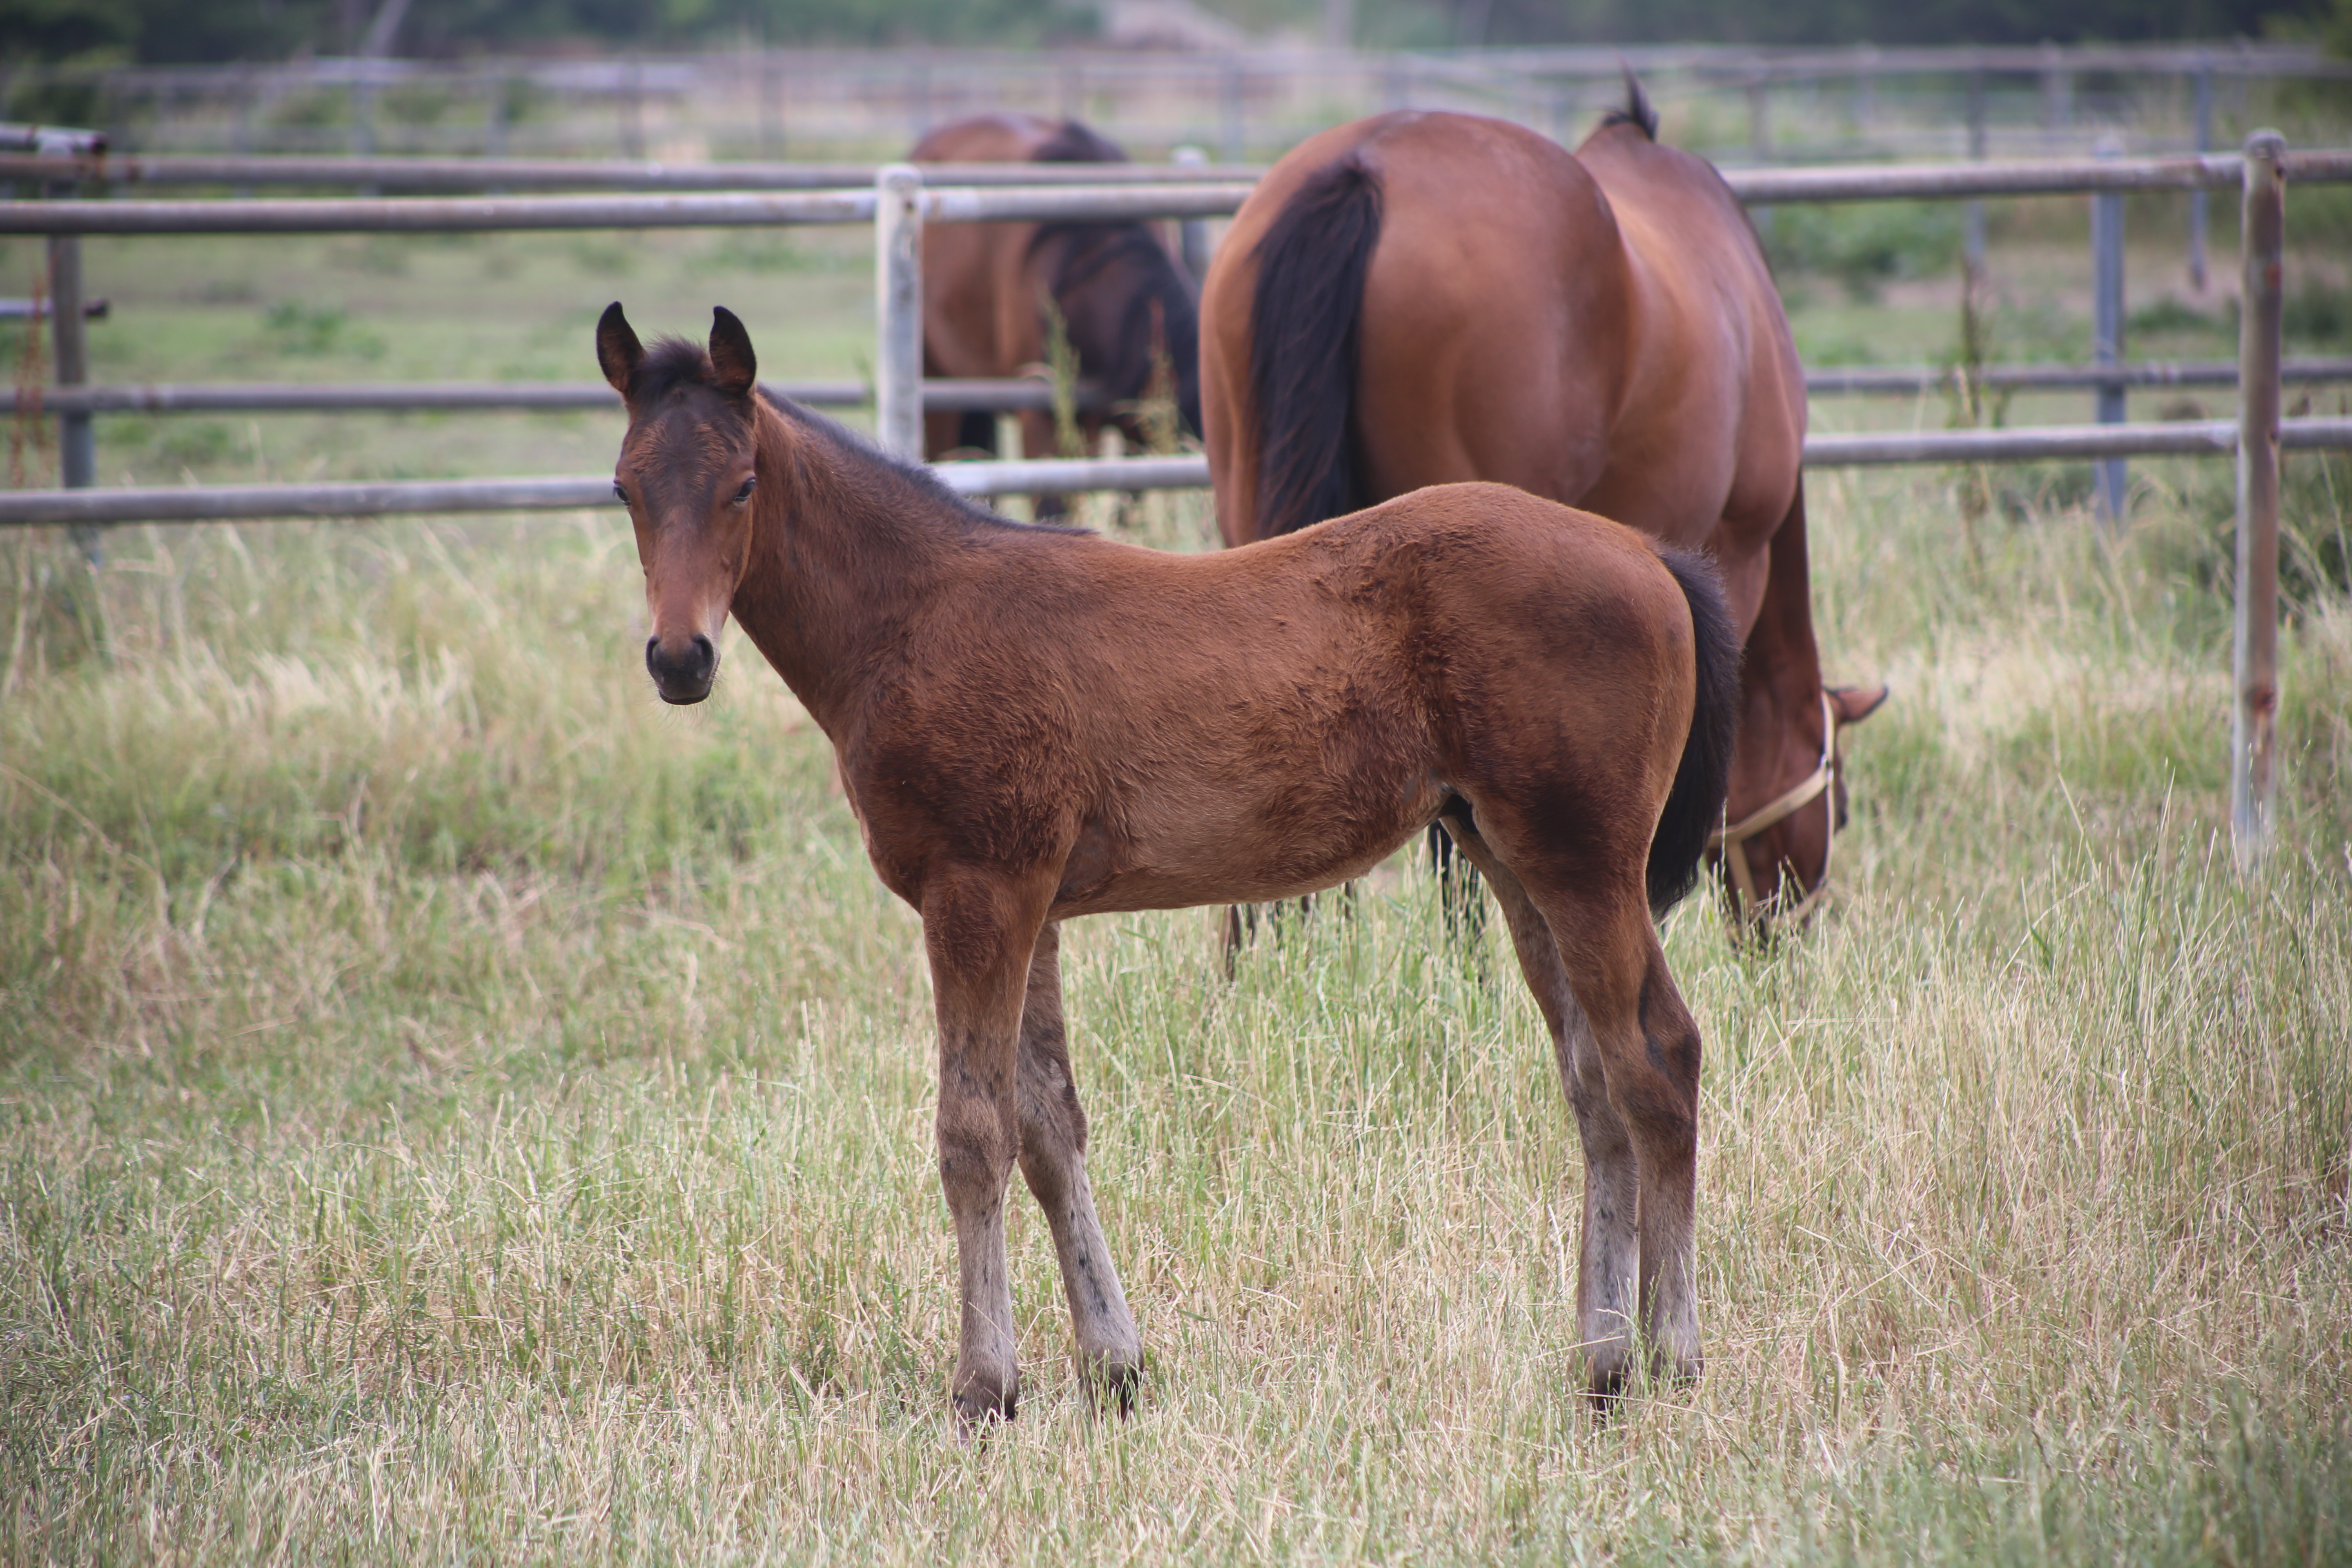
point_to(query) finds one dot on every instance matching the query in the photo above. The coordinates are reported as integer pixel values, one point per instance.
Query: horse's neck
(843, 548)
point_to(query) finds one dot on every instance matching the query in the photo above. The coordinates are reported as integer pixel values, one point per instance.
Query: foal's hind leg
(1609, 1248)
(1648, 1048)
(1054, 1163)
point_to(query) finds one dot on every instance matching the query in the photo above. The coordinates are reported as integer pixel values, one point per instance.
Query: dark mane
(1075, 143)
(916, 482)
(668, 364)
(1637, 111)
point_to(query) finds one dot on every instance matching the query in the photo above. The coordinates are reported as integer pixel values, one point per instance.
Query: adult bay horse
(1422, 298)
(1122, 297)
(1034, 723)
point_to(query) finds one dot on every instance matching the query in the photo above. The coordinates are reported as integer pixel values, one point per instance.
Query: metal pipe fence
(1185, 471)
(1015, 394)
(1011, 395)
(451, 174)
(899, 205)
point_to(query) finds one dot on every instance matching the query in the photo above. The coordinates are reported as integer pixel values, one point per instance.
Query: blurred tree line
(193, 31)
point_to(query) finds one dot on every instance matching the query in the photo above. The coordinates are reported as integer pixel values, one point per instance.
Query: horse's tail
(1312, 261)
(1695, 804)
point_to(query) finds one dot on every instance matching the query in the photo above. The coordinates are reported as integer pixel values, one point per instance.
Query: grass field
(454, 1109)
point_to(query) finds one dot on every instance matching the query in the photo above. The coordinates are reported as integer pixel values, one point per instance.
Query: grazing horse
(1418, 299)
(1122, 297)
(1036, 722)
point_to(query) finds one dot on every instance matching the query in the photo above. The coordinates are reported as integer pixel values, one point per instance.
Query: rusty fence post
(2253, 729)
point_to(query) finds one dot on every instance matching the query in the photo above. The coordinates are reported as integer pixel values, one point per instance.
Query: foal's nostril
(682, 671)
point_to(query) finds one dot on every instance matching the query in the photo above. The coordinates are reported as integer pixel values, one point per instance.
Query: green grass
(453, 1107)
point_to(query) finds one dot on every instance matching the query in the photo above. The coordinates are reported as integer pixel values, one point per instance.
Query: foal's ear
(733, 366)
(1853, 704)
(618, 352)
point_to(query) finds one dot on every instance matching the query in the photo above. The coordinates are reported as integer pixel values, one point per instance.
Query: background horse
(1121, 294)
(1417, 298)
(1034, 723)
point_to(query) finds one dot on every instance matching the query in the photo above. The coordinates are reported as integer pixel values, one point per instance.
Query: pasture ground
(453, 1108)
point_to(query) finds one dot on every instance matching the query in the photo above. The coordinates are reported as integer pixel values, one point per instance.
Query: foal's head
(688, 472)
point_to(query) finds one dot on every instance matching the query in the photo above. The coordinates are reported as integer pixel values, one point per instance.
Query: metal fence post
(2196, 202)
(2057, 94)
(69, 339)
(898, 311)
(2107, 328)
(2253, 752)
(1192, 233)
(1975, 248)
(1759, 117)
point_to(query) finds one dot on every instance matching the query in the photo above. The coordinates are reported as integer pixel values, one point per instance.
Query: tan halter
(1728, 840)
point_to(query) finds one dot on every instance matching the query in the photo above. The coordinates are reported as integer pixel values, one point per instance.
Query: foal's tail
(1312, 261)
(1694, 805)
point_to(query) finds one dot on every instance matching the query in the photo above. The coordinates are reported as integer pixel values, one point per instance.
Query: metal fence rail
(216, 503)
(401, 173)
(1005, 396)
(1896, 379)
(1001, 396)
(1095, 200)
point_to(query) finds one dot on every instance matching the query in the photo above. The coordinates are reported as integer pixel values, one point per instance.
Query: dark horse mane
(1118, 353)
(671, 363)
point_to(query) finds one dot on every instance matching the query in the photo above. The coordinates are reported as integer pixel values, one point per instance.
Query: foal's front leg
(1054, 1163)
(979, 931)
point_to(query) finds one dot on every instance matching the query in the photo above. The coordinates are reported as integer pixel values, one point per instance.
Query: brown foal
(1034, 723)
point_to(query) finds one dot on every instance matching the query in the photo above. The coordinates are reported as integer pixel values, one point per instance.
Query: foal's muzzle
(681, 670)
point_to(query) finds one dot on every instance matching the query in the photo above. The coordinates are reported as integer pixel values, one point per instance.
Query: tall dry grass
(452, 1108)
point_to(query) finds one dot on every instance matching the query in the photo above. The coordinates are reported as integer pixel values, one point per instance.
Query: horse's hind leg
(1054, 1163)
(1648, 1048)
(1609, 1248)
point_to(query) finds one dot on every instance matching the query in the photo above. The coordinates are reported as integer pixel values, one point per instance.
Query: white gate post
(898, 311)
(2253, 749)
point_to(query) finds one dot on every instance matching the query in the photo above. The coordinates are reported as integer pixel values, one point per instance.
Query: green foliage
(309, 330)
(173, 31)
(2317, 313)
(1862, 244)
(1887, 22)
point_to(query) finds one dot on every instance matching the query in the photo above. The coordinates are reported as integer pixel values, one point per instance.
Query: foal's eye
(620, 492)
(745, 493)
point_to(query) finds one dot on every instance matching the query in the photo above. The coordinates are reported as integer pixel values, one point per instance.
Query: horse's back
(1475, 213)
(1712, 435)
(1597, 327)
